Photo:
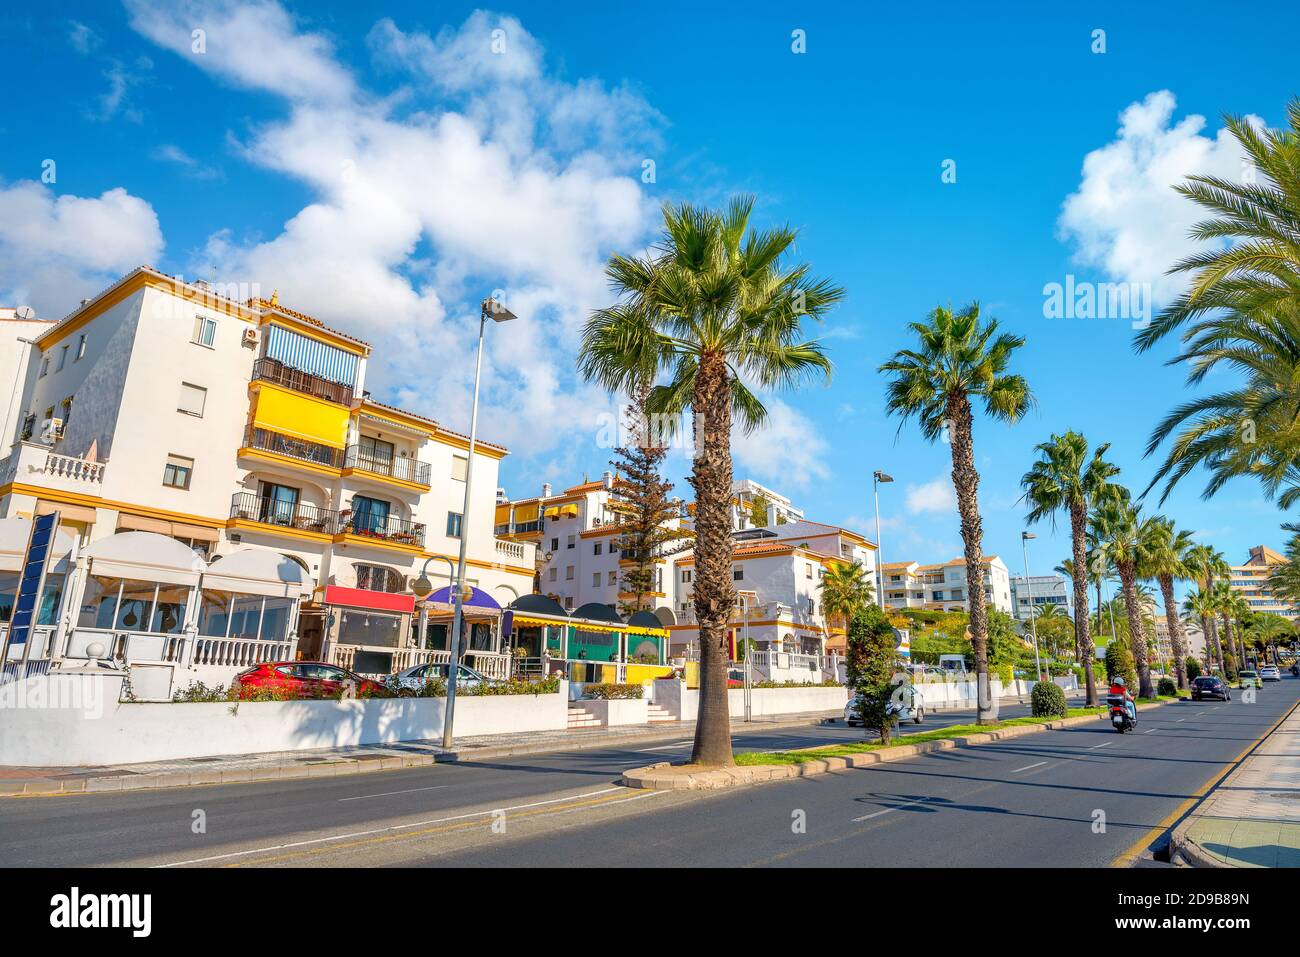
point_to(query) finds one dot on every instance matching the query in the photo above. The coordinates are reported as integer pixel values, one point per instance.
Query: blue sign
(31, 582)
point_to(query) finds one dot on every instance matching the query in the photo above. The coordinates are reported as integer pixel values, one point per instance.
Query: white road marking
(1096, 746)
(1027, 767)
(1152, 730)
(664, 747)
(868, 817)
(363, 797)
(395, 827)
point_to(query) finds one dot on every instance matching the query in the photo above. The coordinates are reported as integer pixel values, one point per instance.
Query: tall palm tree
(1167, 550)
(716, 306)
(1243, 306)
(1207, 564)
(959, 359)
(1121, 533)
(1232, 608)
(1066, 479)
(1202, 605)
(845, 588)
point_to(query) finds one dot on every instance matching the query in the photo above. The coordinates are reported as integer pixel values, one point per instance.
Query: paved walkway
(239, 768)
(1252, 819)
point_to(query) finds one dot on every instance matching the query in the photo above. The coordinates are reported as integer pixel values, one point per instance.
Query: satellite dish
(25, 312)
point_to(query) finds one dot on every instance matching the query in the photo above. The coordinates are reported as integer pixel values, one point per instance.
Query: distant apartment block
(943, 587)
(1251, 579)
(1036, 592)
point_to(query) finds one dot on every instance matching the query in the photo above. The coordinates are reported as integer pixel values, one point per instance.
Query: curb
(340, 765)
(669, 777)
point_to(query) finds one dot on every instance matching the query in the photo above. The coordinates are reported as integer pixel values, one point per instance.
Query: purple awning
(477, 599)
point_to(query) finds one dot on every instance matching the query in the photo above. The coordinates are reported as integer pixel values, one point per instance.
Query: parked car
(1248, 678)
(1269, 673)
(307, 679)
(412, 680)
(1209, 686)
(910, 706)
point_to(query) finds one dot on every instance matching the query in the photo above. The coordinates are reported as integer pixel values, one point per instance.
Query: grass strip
(748, 758)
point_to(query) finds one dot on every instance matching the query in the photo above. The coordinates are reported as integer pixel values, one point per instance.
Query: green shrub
(1004, 671)
(1048, 700)
(1193, 668)
(1167, 687)
(1119, 662)
(614, 692)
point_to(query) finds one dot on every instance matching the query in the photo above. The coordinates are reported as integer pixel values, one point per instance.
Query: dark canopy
(595, 611)
(538, 605)
(645, 619)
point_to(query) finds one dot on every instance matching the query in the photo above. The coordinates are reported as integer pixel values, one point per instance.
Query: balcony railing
(66, 466)
(370, 525)
(276, 372)
(403, 469)
(314, 452)
(269, 511)
(510, 550)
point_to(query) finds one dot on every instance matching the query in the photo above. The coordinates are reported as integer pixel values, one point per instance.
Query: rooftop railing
(277, 373)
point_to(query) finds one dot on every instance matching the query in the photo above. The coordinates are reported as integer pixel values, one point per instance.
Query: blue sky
(383, 168)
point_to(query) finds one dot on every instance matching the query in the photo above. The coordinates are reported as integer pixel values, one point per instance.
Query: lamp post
(876, 478)
(423, 588)
(744, 597)
(498, 313)
(1033, 619)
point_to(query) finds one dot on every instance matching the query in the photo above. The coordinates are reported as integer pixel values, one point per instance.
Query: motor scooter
(1120, 717)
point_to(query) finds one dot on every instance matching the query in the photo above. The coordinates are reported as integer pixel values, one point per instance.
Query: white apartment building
(1037, 592)
(162, 412)
(943, 587)
(776, 507)
(19, 329)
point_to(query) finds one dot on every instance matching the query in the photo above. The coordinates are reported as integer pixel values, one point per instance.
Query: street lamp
(423, 588)
(498, 313)
(1033, 619)
(744, 597)
(877, 478)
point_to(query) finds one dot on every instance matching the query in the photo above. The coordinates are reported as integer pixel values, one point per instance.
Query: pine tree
(649, 519)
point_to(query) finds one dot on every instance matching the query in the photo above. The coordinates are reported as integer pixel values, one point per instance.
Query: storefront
(366, 631)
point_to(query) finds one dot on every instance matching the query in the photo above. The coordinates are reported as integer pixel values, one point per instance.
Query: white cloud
(82, 38)
(786, 453)
(1125, 218)
(934, 496)
(55, 249)
(171, 153)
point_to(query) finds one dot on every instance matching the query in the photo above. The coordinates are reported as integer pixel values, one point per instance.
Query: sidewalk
(1252, 819)
(247, 768)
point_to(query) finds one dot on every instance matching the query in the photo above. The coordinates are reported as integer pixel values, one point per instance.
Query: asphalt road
(1025, 802)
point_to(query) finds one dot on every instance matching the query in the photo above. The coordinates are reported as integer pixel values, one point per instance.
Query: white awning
(14, 533)
(145, 556)
(257, 571)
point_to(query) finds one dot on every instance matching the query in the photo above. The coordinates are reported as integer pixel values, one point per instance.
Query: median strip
(757, 768)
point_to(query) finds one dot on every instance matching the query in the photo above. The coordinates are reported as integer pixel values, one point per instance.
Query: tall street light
(1033, 619)
(498, 313)
(876, 479)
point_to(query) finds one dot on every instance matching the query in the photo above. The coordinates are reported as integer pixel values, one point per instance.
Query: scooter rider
(1119, 689)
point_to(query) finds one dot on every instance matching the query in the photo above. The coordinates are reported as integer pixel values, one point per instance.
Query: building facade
(162, 407)
(944, 587)
(1036, 592)
(1251, 581)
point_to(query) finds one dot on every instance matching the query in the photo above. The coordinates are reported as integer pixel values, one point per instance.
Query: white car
(908, 704)
(412, 680)
(1269, 673)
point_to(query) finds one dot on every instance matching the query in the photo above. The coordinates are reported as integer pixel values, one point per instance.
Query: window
(277, 504)
(613, 578)
(686, 574)
(555, 544)
(178, 470)
(45, 366)
(568, 573)
(63, 358)
(459, 467)
(369, 514)
(67, 414)
(555, 574)
(572, 541)
(613, 548)
(596, 548)
(81, 347)
(737, 574)
(595, 579)
(807, 573)
(380, 578)
(205, 331)
(568, 603)
(192, 400)
(454, 524)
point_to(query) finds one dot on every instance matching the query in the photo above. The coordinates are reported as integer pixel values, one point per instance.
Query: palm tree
(716, 306)
(959, 359)
(1122, 536)
(1207, 563)
(1065, 478)
(1167, 550)
(1202, 605)
(845, 588)
(1243, 304)
(1259, 268)
(1232, 607)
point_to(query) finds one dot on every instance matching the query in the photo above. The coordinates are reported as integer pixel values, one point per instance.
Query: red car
(306, 679)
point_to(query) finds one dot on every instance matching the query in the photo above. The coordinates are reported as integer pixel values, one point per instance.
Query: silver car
(412, 680)
(907, 703)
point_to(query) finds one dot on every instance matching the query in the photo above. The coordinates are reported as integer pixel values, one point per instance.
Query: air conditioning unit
(250, 337)
(52, 430)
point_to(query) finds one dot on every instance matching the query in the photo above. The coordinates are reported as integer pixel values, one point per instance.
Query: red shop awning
(373, 600)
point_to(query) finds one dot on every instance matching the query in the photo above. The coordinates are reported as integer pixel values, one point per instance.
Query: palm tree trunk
(1175, 630)
(1137, 637)
(1083, 647)
(965, 482)
(714, 592)
(1210, 641)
